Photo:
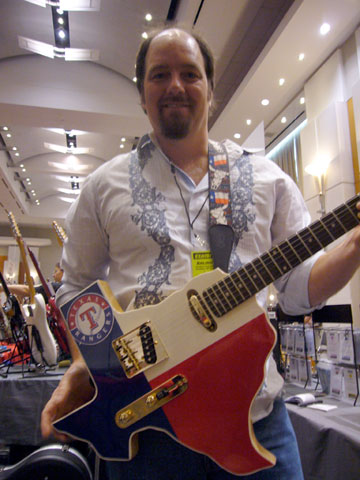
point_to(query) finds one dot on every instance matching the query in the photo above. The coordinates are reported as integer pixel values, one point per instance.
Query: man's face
(176, 93)
(57, 275)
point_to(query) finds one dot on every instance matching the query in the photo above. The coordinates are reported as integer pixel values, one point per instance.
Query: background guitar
(42, 343)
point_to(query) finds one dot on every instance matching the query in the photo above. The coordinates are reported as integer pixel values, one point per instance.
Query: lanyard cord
(191, 223)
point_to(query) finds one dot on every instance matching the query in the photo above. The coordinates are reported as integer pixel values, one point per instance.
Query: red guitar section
(223, 379)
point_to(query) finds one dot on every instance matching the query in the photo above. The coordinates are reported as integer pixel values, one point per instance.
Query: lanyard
(221, 233)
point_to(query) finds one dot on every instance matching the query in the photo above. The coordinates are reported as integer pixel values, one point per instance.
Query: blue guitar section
(95, 422)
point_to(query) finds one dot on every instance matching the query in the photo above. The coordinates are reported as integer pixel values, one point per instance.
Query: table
(329, 442)
(22, 399)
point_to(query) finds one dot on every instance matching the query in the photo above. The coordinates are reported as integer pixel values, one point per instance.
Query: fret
(240, 288)
(320, 233)
(243, 285)
(300, 247)
(255, 278)
(334, 225)
(250, 284)
(265, 273)
(232, 288)
(280, 261)
(271, 265)
(293, 255)
(289, 254)
(216, 300)
(348, 218)
(309, 240)
(212, 302)
(224, 293)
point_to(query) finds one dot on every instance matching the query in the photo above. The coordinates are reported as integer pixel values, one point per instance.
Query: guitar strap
(221, 233)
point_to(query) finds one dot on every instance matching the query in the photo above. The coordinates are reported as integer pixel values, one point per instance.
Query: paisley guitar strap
(221, 233)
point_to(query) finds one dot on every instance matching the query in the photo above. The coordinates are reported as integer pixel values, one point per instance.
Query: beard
(174, 125)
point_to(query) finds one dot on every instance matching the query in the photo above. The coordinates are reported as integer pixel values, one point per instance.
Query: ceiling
(255, 42)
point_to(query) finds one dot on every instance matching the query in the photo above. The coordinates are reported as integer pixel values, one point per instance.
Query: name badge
(201, 262)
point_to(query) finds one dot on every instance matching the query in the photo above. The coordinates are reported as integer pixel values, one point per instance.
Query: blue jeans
(161, 458)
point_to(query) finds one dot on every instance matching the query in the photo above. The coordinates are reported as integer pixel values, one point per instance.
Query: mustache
(175, 99)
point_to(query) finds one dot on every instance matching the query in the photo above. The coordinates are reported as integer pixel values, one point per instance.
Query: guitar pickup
(139, 349)
(150, 402)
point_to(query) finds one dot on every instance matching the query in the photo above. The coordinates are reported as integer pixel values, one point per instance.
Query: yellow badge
(201, 262)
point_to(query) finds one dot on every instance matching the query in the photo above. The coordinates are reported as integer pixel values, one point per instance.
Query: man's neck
(188, 154)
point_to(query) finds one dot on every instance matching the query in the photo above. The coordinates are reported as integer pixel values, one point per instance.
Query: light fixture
(148, 17)
(63, 149)
(68, 54)
(134, 79)
(324, 29)
(248, 121)
(265, 102)
(301, 56)
(73, 5)
(281, 82)
(144, 35)
(318, 169)
(302, 100)
(237, 135)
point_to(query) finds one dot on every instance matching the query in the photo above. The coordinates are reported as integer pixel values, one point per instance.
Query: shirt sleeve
(291, 216)
(85, 254)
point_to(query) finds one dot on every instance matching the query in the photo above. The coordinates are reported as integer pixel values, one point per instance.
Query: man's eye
(158, 76)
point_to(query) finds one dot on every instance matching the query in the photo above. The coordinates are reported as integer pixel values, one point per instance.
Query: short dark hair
(144, 47)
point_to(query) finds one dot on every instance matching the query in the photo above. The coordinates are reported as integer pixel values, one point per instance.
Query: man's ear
(142, 103)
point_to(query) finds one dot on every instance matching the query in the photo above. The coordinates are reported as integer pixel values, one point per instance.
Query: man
(22, 291)
(140, 216)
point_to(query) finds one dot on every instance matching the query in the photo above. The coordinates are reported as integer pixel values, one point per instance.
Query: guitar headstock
(60, 233)
(21, 244)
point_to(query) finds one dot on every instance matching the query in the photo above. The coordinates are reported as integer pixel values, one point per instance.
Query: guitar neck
(244, 283)
(44, 283)
(20, 242)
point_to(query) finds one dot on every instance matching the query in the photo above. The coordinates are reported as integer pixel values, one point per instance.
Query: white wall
(327, 133)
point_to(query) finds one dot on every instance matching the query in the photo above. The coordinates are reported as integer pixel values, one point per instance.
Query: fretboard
(244, 283)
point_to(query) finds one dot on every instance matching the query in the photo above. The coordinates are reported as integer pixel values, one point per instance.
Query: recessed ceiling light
(301, 56)
(324, 29)
(248, 121)
(122, 145)
(281, 81)
(144, 35)
(265, 102)
(8, 135)
(17, 154)
(23, 169)
(302, 100)
(123, 139)
(237, 135)
(14, 148)
(134, 79)
(283, 120)
(148, 17)
(5, 128)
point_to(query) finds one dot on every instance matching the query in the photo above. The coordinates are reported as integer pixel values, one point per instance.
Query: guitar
(192, 365)
(42, 343)
(55, 320)
(60, 233)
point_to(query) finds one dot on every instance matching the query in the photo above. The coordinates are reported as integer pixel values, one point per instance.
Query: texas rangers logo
(90, 319)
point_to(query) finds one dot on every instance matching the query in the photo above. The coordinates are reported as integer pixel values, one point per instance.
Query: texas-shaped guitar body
(172, 368)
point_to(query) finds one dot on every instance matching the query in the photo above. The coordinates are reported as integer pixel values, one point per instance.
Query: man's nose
(176, 84)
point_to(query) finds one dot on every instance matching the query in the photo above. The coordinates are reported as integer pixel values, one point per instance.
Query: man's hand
(73, 391)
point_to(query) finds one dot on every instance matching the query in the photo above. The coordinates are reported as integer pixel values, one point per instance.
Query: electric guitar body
(198, 385)
(192, 365)
(42, 344)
